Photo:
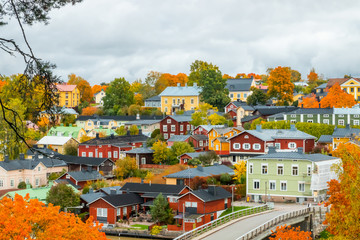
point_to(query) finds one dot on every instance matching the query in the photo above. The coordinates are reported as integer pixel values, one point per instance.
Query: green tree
(161, 151)
(125, 168)
(258, 97)
(200, 116)
(196, 68)
(63, 195)
(134, 130)
(71, 149)
(134, 109)
(121, 130)
(68, 119)
(213, 90)
(208, 158)
(295, 75)
(155, 133)
(22, 185)
(280, 85)
(216, 119)
(161, 211)
(179, 148)
(118, 95)
(225, 178)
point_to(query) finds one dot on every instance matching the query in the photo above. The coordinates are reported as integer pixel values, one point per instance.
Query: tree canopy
(161, 211)
(258, 97)
(63, 195)
(280, 86)
(196, 68)
(337, 98)
(118, 95)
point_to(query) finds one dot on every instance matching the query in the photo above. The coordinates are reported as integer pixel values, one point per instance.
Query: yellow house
(339, 136)
(69, 95)
(216, 133)
(297, 96)
(239, 89)
(97, 123)
(352, 86)
(180, 98)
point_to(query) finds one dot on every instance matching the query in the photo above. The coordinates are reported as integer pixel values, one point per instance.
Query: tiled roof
(240, 84)
(202, 172)
(89, 161)
(65, 88)
(345, 132)
(297, 156)
(206, 196)
(152, 188)
(53, 140)
(249, 118)
(181, 91)
(140, 150)
(125, 139)
(331, 82)
(85, 175)
(325, 139)
(178, 138)
(123, 199)
(154, 98)
(271, 110)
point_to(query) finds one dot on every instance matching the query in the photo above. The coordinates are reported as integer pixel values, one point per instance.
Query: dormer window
(246, 137)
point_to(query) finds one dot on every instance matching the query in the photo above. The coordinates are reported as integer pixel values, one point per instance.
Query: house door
(179, 181)
(212, 217)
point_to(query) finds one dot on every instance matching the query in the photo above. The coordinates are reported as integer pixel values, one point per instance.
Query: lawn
(139, 227)
(227, 211)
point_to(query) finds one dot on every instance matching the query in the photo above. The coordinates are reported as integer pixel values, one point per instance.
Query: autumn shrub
(225, 178)
(198, 183)
(155, 230)
(22, 185)
(289, 233)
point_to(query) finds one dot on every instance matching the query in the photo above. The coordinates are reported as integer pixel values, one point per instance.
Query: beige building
(56, 143)
(146, 126)
(99, 96)
(180, 98)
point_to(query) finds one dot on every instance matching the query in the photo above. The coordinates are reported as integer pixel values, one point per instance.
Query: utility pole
(265, 190)
(232, 198)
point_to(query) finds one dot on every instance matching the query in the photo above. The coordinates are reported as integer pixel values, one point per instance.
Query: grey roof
(143, 122)
(202, 172)
(90, 197)
(123, 199)
(85, 175)
(178, 138)
(271, 110)
(125, 139)
(325, 139)
(240, 84)
(107, 190)
(30, 163)
(209, 127)
(154, 98)
(199, 137)
(222, 139)
(249, 118)
(222, 131)
(181, 91)
(152, 188)
(67, 181)
(90, 161)
(311, 111)
(345, 132)
(117, 117)
(271, 134)
(278, 116)
(207, 196)
(194, 154)
(181, 118)
(140, 150)
(297, 156)
(322, 86)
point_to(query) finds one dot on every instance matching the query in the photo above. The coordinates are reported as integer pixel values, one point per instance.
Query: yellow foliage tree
(161, 151)
(240, 171)
(280, 85)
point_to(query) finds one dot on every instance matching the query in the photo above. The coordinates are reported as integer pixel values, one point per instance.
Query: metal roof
(239, 84)
(209, 127)
(345, 132)
(354, 110)
(152, 188)
(85, 175)
(271, 134)
(311, 111)
(143, 122)
(89, 161)
(154, 98)
(325, 139)
(54, 140)
(181, 91)
(296, 156)
(181, 118)
(123, 199)
(194, 154)
(207, 196)
(202, 172)
(178, 138)
(90, 197)
(139, 150)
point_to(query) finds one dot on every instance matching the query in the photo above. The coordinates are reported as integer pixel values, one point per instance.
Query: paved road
(241, 227)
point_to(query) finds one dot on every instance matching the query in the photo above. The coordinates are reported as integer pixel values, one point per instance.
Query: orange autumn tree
(30, 219)
(343, 219)
(227, 76)
(309, 102)
(97, 88)
(312, 77)
(337, 98)
(88, 111)
(280, 85)
(289, 233)
(168, 80)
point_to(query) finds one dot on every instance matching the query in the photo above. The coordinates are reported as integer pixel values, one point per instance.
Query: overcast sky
(100, 40)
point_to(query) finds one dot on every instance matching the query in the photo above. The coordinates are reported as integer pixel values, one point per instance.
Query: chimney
(97, 135)
(22, 156)
(271, 149)
(137, 116)
(212, 190)
(111, 135)
(200, 168)
(292, 127)
(258, 128)
(36, 156)
(6, 158)
(300, 150)
(140, 131)
(178, 84)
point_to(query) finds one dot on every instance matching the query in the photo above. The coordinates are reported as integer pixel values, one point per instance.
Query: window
(341, 122)
(251, 166)
(280, 169)
(37, 182)
(292, 145)
(187, 127)
(301, 187)
(309, 170)
(172, 199)
(200, 143)
(1, 183)
(352, 89)
(231, 95)
(178, 101)
(246, 137)
(217, 147)
(100, 155)
(245, 95)
(165, 101)
(89, 123)
(257, 184)
(166, 109)
(12, 183)
(166, 136)
(109, 154)
(66, 95)
(181, 127)
(102, 212)
(115, 154)
(236, 146)
(168, 120)
(264, 169)
(256, 146)
(118, 211)
(356, 116)
(246, 146)
(173, 128)
(124, 210)
(67, 177)
(341, 115)
(143, 160)
(191, 204)
(295, 170)
(238, 95)
(277, 145)
(90, 154)
(164, 128)
(272, 185)
(192, 101)
(293, 115)
(309, 115)
(356, 122)
(326, 121)
(83, 154)
(310, 121)
(39, 169)
(66, 102)
(173, 101)
(326, 115)
(292, 121)
(283, 185)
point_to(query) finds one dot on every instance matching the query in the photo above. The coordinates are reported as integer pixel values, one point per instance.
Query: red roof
(65, 88)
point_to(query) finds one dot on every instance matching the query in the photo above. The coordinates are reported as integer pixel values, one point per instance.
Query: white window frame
(12, 183)
(237, 146)
(326, 121)
(165, 101)
(191, 101)
(277, 169)
(124, 211)
(37, 182)
(91, 154)
(293, 115)
(115, 154)
(251, 168)
(341, 122)
(83, 154)
(256, 146)
(264, 166)
(301, 183)
(293, 168)
(109, 154)
(188, 127)
(256, 184)
(143, 160)
(356, 122)
(326, 115)
(200, 143)
(100, 154)
(278, 145)
(165, 109)
(246, 146)
(168, 120)
(308, 170)
(166, 136)
(281, 186)
(172, 128)
(101, 212)
(290, 145)
(164, 128)
(309, 115)
(274, 184)
(181, 127)
(246, 136)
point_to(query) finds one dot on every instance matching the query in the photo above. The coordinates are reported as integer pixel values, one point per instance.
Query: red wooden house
(199, 207)
(188, 156)
(80, 178)
(177, 138)
(112, 147)
(205, 129)
(256, 142)
(175, 125)
(109, 209)
(200, 142)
